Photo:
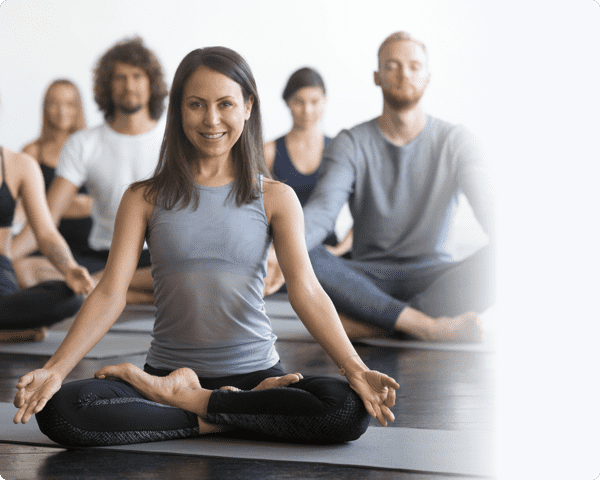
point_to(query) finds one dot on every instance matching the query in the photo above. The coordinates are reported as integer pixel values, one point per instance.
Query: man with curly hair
(130, 90)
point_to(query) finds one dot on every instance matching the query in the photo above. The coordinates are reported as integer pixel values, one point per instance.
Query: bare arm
(80, 207)
(99, 311)
(314, 307)
(49, 240)
(59, 196)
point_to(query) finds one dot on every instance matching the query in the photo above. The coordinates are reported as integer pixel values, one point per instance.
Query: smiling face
(213, 113)
(130, 88)
(62, 107)
(403, 74)
(307, 105)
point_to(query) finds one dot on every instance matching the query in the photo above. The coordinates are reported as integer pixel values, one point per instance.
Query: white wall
(42, 40)
(522, 74)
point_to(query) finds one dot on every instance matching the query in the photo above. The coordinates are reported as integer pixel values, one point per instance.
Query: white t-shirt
(107, 162)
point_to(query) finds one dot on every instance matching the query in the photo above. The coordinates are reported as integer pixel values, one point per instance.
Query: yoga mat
(436, 451)
(111, 345)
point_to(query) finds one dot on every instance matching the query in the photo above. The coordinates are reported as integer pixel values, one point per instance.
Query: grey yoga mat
(437, 451)
(111, 345)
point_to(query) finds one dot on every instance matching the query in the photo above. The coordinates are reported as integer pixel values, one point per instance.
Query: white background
(523, 75)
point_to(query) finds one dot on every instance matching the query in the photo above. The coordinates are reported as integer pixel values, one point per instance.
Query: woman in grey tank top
(209, 214)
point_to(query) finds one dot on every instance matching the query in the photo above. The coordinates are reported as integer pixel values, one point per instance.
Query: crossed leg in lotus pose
(182, 389)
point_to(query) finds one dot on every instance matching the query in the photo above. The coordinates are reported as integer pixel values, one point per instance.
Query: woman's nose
(212, 116)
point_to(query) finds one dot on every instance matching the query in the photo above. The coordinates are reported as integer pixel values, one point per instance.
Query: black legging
(96, 412)
(42, 305)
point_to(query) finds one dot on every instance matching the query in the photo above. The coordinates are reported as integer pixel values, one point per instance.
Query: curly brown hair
(131, 51)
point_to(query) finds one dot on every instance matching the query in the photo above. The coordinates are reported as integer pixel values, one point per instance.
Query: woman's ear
(249, 104)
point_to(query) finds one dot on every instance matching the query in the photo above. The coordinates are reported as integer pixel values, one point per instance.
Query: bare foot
(18, 336)
(462, 328)
(180, 388)
(278, 382)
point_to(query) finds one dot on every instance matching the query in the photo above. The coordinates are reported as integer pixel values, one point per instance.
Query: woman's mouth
(212, 136)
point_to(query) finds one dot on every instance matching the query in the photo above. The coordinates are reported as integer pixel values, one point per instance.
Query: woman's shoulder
(278, 194)
(33, 149)
(20, 167)
(139, 195)
(20, 161)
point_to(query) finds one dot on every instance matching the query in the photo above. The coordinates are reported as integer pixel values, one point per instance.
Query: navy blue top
(284, 171)
(7, 202)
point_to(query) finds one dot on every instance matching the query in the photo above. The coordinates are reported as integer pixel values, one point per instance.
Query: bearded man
(401, 174)
(130, 90)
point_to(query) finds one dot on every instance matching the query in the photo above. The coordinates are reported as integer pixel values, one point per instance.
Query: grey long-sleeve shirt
(401, 198)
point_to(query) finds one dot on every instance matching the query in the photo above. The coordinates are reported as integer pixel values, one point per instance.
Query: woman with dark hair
(209, 215)
(25, 314)
(295, 157)
(62, 115)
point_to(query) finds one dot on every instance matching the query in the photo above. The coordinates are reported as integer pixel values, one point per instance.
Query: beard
(128, 109)
(402, 101)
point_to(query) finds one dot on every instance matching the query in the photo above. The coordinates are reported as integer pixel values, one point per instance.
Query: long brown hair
(173, 180)
(80, 124)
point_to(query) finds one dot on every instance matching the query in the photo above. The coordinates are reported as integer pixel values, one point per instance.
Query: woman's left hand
(377, 391)
(79, 280)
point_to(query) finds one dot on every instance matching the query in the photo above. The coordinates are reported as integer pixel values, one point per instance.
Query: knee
(353, 418)
(67, 419)
(347, 418)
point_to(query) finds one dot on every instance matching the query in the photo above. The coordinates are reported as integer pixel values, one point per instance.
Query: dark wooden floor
(438, 390)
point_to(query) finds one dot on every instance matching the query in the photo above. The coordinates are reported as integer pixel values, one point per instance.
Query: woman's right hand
(34, 390)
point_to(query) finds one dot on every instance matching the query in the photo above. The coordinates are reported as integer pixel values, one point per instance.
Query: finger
(28, 412)
(19, 414)
(25, 380)
(19, 398)
(370, 409)
(390, 400)
(380, 417)
(387, 413)
(389, 382)
(40, 406)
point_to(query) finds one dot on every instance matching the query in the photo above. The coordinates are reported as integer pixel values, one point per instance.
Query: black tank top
(284, 171)
(75, 230)
(7, 202)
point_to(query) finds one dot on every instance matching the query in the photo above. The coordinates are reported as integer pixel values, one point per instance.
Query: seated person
(130, 89)
(295, 157)
(62, 115)
(401, 174)
(26, 314)
(209, 216)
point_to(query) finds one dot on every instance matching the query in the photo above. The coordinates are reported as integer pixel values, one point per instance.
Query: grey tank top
(208, 269)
